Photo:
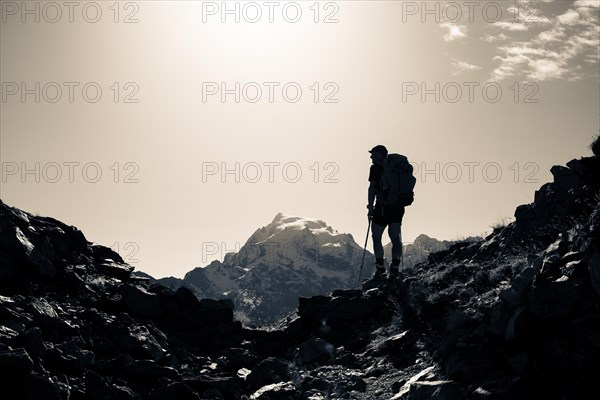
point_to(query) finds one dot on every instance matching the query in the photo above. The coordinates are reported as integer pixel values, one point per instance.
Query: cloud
(463, 66)
(522, 19)
(453, 31)
(494, 38)
(553, 35)
(566, 44)
(569, 17)
(511, 26)
(587, 3)
(545, 69)
(536, 66)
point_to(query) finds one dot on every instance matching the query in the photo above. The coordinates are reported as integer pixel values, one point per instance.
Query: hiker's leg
(376, 234)
(394, 233)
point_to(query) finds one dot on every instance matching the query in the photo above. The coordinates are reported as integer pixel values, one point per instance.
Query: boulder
(15, 361)
(34, 258)
(38, 386)
(268, 371)
(120, 271)
(33, 341)
(516, 294)
(435, 390)
(139, 301)
(315, 349)
(355, 308)
(229, 386)
(240, 358)
(102, 254)
(400, 342)
(554, 298)
(150, 371)
(95, 387)
(137, 340)
(171, 390)
(46, 317)
(275, 391)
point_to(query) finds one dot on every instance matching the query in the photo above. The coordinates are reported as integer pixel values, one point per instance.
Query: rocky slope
(514, 316)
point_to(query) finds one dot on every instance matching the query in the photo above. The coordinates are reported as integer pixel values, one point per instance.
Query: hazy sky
(126, 114)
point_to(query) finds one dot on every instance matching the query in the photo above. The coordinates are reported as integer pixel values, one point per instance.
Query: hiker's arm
(372, 193)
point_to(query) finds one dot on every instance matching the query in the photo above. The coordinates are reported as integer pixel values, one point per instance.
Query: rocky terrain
(513, 316)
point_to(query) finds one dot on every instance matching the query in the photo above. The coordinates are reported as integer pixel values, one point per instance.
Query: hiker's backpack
(397, 181)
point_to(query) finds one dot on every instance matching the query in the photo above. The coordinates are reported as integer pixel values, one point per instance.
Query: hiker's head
(378, 154)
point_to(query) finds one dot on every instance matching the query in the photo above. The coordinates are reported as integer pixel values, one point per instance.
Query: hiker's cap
(379, 148)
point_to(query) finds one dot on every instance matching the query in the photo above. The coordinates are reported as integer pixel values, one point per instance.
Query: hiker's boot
(379, 269)
(394, 268)
(379, 272)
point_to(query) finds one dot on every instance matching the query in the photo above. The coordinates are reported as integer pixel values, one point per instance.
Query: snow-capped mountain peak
(289, 257)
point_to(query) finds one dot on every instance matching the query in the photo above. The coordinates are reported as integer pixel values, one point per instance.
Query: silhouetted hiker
(393, 191)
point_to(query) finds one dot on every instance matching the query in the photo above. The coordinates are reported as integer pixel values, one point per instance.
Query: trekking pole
(364, 251)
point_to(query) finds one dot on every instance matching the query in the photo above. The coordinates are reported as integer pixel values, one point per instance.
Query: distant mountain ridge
(420, 249)
(291, 256)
